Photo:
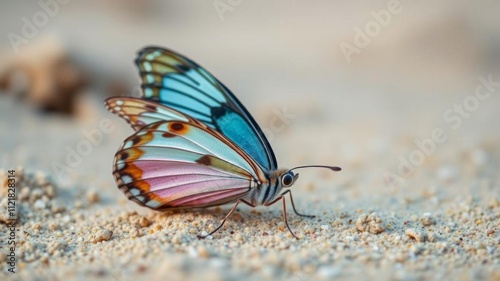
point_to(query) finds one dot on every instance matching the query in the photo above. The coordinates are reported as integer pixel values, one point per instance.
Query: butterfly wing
(177, 82)
(139, 113)
(176, 164)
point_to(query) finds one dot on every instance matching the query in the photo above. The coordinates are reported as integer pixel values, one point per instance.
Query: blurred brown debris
(43, 75)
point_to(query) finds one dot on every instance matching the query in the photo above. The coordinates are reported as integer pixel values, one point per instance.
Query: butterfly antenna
(333, 168)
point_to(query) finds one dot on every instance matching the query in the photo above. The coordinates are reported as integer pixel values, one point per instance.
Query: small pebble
(416, 235)
(102, 235)
(427, 219)
(369, 223)
(92, 196)
(144, 222)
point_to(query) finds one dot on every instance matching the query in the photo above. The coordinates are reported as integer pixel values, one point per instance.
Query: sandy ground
(440, 223)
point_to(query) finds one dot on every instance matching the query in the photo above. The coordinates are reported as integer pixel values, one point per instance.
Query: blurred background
(361, 81)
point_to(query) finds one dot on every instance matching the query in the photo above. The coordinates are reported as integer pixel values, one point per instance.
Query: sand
(441, 223)
(85, 239)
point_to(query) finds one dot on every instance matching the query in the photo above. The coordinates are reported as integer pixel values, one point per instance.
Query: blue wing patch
(236, 129)
(177, 82)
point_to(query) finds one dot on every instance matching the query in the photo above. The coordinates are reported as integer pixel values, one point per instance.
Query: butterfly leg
(282, 198)
(223, 221)
(293, 205)
(248, 203)
(286, 221)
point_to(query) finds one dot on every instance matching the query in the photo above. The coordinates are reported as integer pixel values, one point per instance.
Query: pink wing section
(208, 199)
(165, 189)
(174, 164)
(154, 168)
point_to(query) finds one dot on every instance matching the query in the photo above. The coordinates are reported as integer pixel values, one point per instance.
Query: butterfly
(195, 145)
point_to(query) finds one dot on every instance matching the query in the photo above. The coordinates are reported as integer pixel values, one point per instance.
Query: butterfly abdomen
(265, 193)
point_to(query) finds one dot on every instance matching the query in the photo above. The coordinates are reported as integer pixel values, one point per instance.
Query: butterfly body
(195, 145)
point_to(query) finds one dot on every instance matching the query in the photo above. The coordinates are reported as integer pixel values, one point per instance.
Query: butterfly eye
(287, 180)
